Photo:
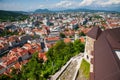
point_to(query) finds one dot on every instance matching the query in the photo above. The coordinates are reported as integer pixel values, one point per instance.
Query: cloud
(86, 2)
(65, 4)
(58, 4)
(109, 2)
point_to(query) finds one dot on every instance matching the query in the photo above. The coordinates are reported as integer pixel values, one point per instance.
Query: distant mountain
(42, 11)
(86, 10)
(78, 10)
(70, 10)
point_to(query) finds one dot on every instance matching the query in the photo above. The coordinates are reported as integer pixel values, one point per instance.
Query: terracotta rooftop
(52, 38)
(1, 67)
(17, 65)
(67, 40)
(82, 39)
(28, 46)
(42, 56)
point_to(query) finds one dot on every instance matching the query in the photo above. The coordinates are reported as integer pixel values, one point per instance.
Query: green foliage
(33, 69)
(35, 36)
(6, 33)
(85, 68)
(78, 46)
(97, 16)
(4, 77)
(102, 27)
(11, 16)
(57, 56)
(62, 35)
(81, 34)
(15, 73)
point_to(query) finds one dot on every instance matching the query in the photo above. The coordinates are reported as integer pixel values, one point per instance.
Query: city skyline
(26, 5)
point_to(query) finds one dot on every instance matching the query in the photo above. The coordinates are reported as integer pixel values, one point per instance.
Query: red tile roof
(1, 67)
(28, 46)
(69, 32)
(42, 56)
(17, 65)
(52, 38)
(11, 61)
(67, 40)
(82, 39)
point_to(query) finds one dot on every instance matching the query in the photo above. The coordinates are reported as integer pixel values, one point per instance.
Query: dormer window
(118, 53)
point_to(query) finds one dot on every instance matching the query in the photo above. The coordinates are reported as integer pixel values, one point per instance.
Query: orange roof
(24, 51)
(11, 61)
(17, 65)
(114, 25)
(31, 51)
(1, 25)
(49, 45)
(12, 38)
(1, 46)
(1, 67)
(67, 40)
(52, 38)
(27, 45)
(70, 32)
(85, 30)
(4, 58)
(16, 52)
(7, 71)
(82, 39)
(42, 56)
(73, 22)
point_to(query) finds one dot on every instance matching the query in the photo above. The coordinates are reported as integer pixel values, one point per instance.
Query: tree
(15, 73)
(81, 34)
(78, 46)
(62, 35)
(4, 77)
(57, 56)
(32, 70)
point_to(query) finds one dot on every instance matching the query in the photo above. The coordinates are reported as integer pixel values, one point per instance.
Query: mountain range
(2, 12)
(70, 10)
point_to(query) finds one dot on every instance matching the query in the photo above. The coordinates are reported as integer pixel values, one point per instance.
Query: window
(117, 53)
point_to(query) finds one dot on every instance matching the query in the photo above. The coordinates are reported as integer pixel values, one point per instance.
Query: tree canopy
(57, 56)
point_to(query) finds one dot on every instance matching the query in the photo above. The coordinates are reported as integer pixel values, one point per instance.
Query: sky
(30, 5)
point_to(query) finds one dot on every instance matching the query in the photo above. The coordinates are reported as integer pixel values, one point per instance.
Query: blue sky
(28, 5)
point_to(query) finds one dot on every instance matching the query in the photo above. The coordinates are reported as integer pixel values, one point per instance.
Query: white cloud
(61, 4)
(86, 2)
(65, 4)
(109, 2)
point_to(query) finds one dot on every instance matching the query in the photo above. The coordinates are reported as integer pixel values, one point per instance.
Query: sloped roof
(94, 32)
(113, 37)
(106, 63)
(67, 40)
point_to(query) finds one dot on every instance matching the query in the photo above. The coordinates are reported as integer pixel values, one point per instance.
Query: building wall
(89, 47)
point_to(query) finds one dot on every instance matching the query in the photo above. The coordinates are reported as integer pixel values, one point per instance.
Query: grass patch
(85, 68)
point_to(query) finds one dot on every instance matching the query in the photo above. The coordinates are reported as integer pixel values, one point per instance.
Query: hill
(11, 16)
